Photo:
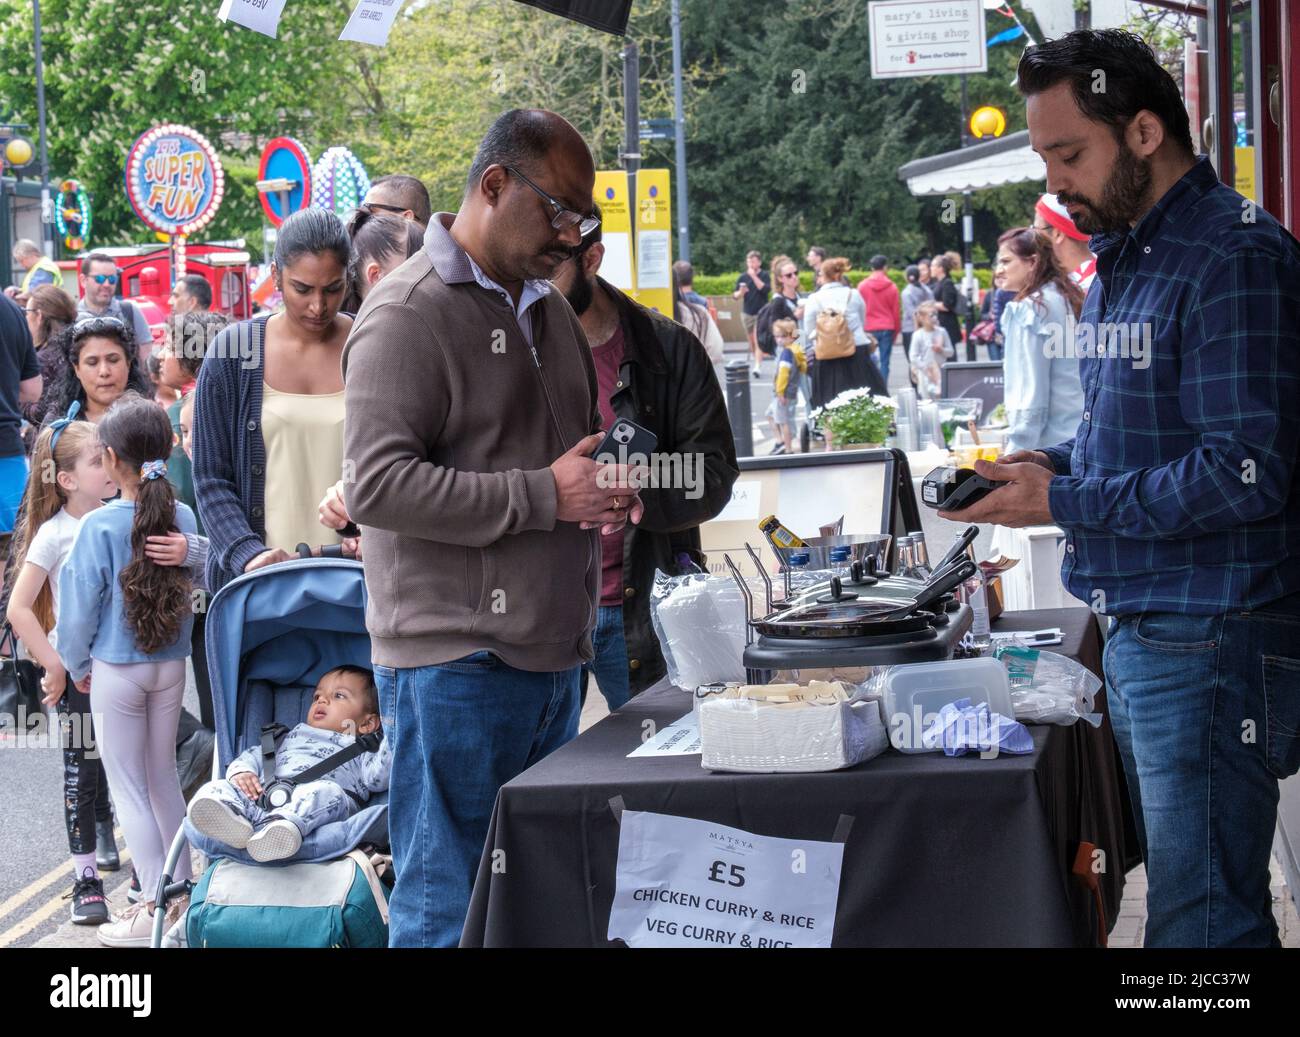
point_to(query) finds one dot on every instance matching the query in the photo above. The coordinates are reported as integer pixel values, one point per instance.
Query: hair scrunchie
(153, 469)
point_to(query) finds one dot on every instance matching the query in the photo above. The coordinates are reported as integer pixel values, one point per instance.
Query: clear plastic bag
(1047, 688)
(700, 623)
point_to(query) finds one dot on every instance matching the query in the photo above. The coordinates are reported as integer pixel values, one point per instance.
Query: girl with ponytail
(67, 482)
(124, 628)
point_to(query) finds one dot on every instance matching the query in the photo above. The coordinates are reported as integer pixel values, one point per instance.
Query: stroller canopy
(271, 635)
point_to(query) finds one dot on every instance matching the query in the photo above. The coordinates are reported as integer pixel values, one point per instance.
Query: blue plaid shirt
(1178, 491)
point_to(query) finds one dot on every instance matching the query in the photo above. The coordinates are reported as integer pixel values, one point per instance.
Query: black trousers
(85, 785)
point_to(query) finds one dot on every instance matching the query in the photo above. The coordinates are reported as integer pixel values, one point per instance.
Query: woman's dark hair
(376, 238)
(1133, 79)
(913, 274)
(70, 340)
(1030, 244)
(312, 230)
(192, 333)
(156, 596)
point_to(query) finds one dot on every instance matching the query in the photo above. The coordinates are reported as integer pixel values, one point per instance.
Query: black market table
(943, 851)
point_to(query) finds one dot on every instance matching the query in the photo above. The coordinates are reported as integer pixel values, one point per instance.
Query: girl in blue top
(124, 628)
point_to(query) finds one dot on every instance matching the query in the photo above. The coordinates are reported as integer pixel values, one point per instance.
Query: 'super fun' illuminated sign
(174, 179)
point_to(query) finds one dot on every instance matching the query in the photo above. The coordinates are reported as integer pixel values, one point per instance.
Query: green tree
(112, 70)
(421, 104)
(795, 143)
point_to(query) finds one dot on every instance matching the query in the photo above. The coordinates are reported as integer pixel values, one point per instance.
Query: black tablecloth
(943, 851)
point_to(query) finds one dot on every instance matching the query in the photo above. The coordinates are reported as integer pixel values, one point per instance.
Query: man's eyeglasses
(370, 207)
(104, 278)
(564, 218)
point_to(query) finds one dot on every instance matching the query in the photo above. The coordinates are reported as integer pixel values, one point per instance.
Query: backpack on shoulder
(834, 337)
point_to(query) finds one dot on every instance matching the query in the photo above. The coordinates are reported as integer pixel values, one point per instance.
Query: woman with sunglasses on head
(268, 412)
(100, 367)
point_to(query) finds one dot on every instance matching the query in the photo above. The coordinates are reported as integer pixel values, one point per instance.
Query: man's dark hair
(685, 273)
(1134, 80)
(520, 137)
(878, 262)
(409, 192)
(821, 252)
(196, 285)
(95, 257)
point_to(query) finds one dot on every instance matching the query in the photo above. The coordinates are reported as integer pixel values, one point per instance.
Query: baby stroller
(271, 635)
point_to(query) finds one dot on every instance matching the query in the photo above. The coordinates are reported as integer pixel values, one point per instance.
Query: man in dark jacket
(652, 371)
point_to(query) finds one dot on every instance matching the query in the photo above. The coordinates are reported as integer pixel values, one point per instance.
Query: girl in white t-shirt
(67, 480)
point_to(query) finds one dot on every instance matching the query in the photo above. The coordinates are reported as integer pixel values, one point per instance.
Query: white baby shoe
(278, 840)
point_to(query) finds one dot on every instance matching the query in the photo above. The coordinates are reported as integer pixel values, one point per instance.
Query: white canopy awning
(1007, 160)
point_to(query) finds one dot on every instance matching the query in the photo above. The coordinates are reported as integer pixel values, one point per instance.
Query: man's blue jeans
(610, 665)
(458, 731)
(884, 350)
(1206, 713)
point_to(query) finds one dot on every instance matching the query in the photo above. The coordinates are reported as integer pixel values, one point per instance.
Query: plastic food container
(914, 693)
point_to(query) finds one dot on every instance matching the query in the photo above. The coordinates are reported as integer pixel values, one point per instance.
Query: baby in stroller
(268, 814)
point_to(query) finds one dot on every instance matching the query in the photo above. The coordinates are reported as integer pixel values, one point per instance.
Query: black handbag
(20, 684)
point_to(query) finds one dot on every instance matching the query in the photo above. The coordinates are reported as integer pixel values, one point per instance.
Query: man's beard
(1123, 199)
(580, 295)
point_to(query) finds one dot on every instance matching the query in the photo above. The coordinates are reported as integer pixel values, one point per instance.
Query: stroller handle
(325, 551)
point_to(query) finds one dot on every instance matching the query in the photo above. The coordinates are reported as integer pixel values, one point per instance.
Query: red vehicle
(146, 278)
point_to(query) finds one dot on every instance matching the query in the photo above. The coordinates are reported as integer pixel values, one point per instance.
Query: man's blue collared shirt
(1178, 491)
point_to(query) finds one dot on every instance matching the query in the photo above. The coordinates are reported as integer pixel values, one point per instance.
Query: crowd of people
(215, 465)
(472, 382)
(145, 474)
(845, 336)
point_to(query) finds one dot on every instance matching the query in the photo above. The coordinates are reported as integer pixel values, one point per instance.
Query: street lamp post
(47, 215)
(631, 155)
(683, 208)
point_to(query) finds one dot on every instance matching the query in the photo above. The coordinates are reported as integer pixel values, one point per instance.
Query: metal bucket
(818, 550)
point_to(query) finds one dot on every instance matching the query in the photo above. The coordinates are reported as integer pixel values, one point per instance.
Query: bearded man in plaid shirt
(1178, 494)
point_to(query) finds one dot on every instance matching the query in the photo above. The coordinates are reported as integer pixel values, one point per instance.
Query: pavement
(34, 871)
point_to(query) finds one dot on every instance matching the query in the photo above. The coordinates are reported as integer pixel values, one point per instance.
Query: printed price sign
(687, 883)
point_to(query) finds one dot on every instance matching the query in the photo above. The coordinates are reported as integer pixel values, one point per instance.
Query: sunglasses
(791, 273)
(104, 278)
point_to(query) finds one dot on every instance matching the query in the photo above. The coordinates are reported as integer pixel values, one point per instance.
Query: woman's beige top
(304, 458)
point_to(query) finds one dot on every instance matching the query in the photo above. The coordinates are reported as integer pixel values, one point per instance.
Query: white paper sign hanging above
(687, 883)
(371, 21)
(259, 15)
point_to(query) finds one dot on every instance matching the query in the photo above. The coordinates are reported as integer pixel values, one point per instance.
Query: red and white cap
(1055, 215)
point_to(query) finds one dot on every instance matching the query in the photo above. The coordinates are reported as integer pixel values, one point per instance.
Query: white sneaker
(132, 928)
(278, 840)
(217, 820)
